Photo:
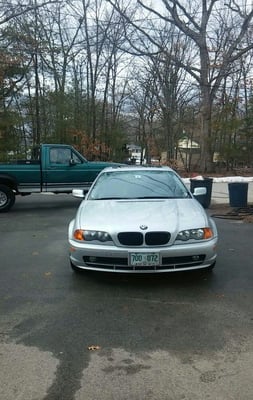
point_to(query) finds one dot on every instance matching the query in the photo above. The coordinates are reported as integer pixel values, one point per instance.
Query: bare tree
(218, 32)
(15, 8)
(173, 91)
(232, 117)
(100, 38)
(60, 46)
(21, 20)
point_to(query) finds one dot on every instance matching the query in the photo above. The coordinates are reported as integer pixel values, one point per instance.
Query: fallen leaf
(94, 347)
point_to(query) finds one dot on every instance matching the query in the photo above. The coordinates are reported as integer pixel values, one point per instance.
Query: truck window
(76, 159)
(35, 153)
(60, 156)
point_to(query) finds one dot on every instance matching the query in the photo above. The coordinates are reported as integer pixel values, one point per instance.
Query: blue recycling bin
(204, 199)
(238, 194)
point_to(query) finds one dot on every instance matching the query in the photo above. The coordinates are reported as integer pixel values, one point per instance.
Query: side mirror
(72, 162)
(199, 191)
(80, 193)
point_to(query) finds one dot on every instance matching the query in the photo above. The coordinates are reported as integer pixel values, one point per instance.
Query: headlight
(87, 235)
(197, 234)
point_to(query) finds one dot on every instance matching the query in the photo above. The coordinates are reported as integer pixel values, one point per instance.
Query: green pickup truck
(56, 168)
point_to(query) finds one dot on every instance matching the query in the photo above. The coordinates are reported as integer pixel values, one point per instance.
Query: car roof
(137, 168)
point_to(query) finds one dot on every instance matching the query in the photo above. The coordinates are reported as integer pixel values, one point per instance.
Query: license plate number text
(144, 259)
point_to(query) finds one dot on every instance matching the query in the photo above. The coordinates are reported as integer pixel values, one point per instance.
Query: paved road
(167, 337)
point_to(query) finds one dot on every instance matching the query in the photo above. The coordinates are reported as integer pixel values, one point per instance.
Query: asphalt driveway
(111, 337)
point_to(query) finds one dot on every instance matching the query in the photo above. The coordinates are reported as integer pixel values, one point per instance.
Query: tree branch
(26, 9)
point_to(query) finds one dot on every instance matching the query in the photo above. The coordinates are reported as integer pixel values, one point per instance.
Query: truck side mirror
(72, 162)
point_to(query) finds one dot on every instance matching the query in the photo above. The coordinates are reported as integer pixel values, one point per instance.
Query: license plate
(144, 259)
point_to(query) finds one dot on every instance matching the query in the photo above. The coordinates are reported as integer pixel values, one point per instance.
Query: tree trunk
(205, 110)
(206, 157)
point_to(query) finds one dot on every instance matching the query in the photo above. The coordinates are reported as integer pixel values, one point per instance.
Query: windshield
(138, 184)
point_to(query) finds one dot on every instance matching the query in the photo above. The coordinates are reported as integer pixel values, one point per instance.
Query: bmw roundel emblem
(143, 227)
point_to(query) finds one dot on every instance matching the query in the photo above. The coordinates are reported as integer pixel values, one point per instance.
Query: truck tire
(7, 198)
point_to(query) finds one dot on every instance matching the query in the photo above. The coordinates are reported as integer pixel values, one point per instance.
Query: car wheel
(7, 198)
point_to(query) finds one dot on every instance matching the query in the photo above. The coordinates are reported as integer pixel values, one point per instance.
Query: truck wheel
(7, 198)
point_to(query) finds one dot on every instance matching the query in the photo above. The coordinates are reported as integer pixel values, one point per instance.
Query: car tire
(7, 198)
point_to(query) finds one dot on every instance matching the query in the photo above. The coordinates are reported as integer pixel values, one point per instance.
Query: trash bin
(238, 194)
(205, 199)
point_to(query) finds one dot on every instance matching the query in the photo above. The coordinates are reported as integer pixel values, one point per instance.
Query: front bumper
(183, 257)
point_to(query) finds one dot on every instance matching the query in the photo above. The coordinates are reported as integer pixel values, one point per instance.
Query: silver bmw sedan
(137, 219)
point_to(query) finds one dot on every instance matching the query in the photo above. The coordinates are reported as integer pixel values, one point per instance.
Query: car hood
(128, 215)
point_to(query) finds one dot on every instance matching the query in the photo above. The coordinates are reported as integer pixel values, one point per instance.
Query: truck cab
(56, 168)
